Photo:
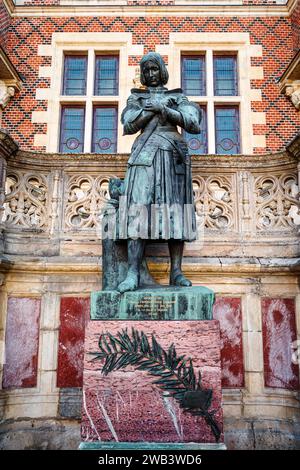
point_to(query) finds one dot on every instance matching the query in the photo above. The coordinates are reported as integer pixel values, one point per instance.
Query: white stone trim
(44, 50)
(42, 94)
(256, 73)
(258, 117)
(259, 141)
(209, 10)
(255, 94)
(45, 71)
(38, 117)
(40, 140)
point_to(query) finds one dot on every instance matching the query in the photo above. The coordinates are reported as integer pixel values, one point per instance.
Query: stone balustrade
(50, 203)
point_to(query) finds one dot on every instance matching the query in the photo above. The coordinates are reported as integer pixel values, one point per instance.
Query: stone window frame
(92, 44)
(210, 100)
(209, 43)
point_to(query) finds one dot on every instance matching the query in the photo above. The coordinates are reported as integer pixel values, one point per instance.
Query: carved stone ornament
(6, 92)
(293, 92)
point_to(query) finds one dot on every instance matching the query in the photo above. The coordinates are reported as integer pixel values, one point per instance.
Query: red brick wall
(274, 33)
(295, 19)
(4, 24)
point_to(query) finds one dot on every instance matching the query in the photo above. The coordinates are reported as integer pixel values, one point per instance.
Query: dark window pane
(106, 75)
(225, 76)
(227, 130)
(104, 130)
(75, 75)
(72, 129)
(193, 75)
(197, 143)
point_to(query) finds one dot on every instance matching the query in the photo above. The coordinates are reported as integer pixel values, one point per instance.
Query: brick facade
(295, 21)
(4, 25)
(274, 33)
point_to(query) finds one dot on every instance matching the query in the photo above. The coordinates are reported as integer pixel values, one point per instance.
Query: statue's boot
(135, 256)
(177, 278)
(131, 282)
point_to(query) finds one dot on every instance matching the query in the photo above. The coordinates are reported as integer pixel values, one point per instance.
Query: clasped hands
(155, 106)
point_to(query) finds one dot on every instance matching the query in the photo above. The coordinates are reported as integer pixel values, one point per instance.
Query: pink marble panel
(279, 331)
(228, 311)
(74, 312)
(21, 342)
(126, 406)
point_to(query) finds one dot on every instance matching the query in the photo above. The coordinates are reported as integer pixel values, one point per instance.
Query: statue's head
(153, 70)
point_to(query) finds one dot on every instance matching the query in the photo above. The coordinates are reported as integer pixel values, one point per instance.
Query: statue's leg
(177, 278)
(135, 256)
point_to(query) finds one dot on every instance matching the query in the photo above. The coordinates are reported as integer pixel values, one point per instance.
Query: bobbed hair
(158, 60)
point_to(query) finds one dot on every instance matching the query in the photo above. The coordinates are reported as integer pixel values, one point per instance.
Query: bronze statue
(158, 177)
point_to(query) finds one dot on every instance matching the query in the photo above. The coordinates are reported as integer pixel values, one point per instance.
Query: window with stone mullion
(72, 129)
(75, 75)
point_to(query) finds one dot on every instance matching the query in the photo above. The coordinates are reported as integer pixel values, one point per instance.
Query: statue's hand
(153, 106)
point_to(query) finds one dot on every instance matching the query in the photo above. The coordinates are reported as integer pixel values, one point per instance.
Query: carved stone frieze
(276, 201)
(213, 200)
(26, 201)
(85, 195)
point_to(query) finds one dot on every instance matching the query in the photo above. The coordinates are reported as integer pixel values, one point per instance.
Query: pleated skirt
(158, 201)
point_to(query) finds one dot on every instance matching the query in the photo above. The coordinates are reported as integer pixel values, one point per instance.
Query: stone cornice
(148, 11)
(57, 160)
(94, 161)
(201, 266)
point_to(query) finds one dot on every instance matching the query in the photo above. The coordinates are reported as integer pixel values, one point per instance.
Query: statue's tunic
(158, 191)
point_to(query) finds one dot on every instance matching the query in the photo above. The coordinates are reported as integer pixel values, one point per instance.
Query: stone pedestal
(125, 409)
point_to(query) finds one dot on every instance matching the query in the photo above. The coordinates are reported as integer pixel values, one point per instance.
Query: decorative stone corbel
(6, 92)
(293, 92)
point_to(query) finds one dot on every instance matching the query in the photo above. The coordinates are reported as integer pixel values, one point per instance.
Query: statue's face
(152, 74)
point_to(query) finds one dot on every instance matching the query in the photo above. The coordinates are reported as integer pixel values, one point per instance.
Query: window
(227, 129)
(225, 76)
(197, 143)
(104, 130)
(193, 75)
(106, 75)
(220, 102)
(72, 129)
(75, 70)
(89, 103)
